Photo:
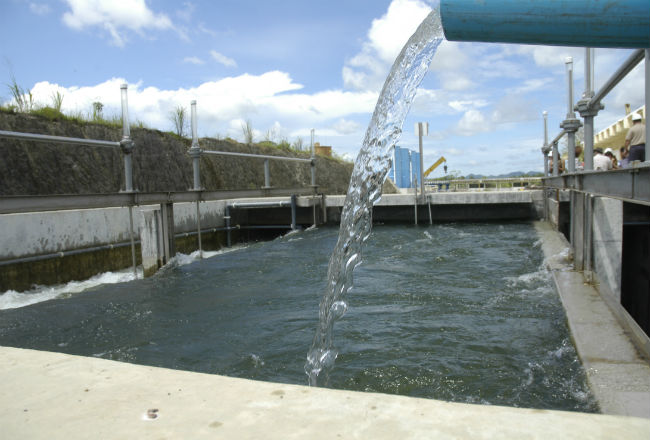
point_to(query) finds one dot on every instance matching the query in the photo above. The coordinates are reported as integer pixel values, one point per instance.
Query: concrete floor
(618, 376)
(57, 396)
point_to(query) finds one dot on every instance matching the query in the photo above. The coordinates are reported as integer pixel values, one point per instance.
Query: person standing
(625, 160)
(601, 162)
(610, 154)
(635, 139)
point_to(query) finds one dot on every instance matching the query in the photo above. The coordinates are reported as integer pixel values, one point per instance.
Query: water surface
(460, 312)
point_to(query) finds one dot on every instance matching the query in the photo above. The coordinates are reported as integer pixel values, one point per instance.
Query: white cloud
(193, 60)
(255, 97)
(40, 8)
(116, 18)
(343, 126)
(472, 122)
(386, 37)
(463, 106)
(222, 59)
(514, 108)
(550, 56)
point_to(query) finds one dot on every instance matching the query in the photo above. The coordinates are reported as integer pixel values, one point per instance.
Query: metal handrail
(257, 156)
(61, 139)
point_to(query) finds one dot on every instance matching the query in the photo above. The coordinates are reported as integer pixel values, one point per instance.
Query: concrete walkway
(618, 376)
(57, 396)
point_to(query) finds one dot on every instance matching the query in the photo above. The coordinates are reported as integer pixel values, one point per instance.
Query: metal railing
(588, 108)
(129, 197)
(480, 184)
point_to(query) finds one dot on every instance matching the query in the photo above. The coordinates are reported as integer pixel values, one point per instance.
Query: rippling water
(460, 312)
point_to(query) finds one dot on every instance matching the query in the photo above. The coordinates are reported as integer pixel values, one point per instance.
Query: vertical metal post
(588, 112)
(267, 175)
(556, 169)
(226, 217)
(571, 135)
(571, 123)
(313, 162)
(195, 151)
(293, 212)
(420, 133)
(545, 147)
(430, 216)
(126, 142)
(415, 200)
(588, 248)
(127, 147)
(195, 154)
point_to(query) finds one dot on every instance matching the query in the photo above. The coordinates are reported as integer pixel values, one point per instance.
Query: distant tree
(247, 130)
(24, 98)
(178, 117)
(57, 100)
(298, 144)
(98, 110)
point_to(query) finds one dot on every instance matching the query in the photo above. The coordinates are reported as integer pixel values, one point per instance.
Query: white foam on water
(12, 299)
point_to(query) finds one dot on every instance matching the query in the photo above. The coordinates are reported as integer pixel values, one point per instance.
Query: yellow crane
(436, 165)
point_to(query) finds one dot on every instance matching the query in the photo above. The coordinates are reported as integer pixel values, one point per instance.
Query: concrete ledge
(452, 198)
(58, 396)
(618, 376)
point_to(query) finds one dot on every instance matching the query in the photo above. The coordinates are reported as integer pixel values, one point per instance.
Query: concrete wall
(42, 233)
(608, 245)
(29, 235)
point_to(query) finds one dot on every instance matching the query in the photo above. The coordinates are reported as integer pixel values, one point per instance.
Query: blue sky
(290, 66)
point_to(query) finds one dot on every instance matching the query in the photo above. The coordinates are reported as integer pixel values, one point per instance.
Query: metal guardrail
(58, 139)
(627, 184)
(457, 184)
(20, 204)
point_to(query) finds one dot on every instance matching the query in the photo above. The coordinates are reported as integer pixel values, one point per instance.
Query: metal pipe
(60, 139)
(545, 147)
(556, 169)
(256, 156)
(313, 161)
(267, 174)
(585, 23)
(568, 62)
(415, 200)
(62, 254)
(570, 124)
(244, 205)
(198, 228)
(127, 147)
(420, 134)
(589, 143)
(589, 72)
(629, 64)
(226, 217)
(195, 150)
(293, 212)
(126, 143)
(133, 259)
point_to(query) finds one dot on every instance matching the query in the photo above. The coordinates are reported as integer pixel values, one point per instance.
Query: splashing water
(369, 173)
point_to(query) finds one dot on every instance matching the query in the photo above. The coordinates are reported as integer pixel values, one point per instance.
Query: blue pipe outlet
(586, 23)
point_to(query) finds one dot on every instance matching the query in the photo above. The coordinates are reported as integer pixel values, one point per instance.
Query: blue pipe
(586, 23)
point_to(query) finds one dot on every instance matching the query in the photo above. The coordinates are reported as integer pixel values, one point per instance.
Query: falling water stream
(370, 168)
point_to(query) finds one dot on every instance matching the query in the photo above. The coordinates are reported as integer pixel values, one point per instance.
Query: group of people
(634, 149)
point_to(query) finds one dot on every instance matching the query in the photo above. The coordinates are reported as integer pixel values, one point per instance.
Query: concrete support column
(156, 237)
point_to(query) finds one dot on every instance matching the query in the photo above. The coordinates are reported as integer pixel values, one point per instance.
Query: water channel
(462, 312)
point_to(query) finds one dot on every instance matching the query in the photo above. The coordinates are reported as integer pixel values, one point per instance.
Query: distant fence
(514, 184)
